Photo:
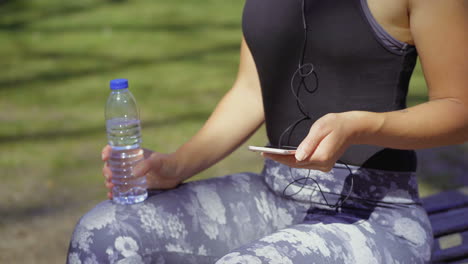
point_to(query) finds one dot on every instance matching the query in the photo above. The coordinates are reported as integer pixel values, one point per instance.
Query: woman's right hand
(160, 170)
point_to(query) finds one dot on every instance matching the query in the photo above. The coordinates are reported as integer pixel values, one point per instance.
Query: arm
(236, 117)
(440, 32)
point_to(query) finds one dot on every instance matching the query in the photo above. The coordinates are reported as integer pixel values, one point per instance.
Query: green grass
(57, 58)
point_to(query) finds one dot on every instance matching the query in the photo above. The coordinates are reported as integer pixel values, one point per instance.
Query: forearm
(237, 116)
(435, 123)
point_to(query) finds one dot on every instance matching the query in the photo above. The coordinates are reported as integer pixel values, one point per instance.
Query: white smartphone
(273, 150)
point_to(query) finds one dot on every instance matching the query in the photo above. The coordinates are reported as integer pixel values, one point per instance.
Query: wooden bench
(448, 213)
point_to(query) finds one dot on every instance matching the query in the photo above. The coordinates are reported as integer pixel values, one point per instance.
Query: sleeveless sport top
(356, 66)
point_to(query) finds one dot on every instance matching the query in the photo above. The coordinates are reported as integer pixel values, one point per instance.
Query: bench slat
(457, 251)
(446, 200)
(449, 222)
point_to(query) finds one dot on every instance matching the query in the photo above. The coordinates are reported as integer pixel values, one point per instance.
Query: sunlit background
(56, 59)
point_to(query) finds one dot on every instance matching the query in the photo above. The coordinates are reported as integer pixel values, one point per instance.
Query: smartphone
(277, 151)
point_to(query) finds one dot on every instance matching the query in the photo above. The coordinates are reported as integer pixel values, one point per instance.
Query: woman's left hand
(327, 140)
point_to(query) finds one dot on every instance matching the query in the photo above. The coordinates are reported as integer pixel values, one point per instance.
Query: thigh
(200, 220)
(333, 239)
(296, 244)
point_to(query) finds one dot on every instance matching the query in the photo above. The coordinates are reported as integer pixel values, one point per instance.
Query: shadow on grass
(56, 134)
(18, 6)
(20, 25)
(116, 66)
(177, 28)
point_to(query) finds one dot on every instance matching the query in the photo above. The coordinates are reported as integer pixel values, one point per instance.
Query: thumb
(310, 143)
(153, 162)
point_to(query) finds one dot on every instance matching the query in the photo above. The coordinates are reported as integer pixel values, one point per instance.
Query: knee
(100, 217)
(96, 237)
(111, 232)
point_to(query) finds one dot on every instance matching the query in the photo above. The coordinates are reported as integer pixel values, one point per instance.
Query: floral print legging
(264, 218)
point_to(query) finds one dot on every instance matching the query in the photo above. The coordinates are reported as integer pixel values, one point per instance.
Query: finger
(109, 185)
(316, 134)
(293, 163)
(289, 160)
(152, 163)
(109, 195)
(142, 168)
(107, 172)
(328, 151)
(105, 153)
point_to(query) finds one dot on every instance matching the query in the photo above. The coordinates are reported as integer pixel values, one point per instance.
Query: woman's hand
(327, 140)
(160, 170)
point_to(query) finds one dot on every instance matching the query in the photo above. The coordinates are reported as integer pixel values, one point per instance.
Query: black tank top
(355, 70)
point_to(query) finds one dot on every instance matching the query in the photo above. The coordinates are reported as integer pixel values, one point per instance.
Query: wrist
(182, 164)
(364, 126)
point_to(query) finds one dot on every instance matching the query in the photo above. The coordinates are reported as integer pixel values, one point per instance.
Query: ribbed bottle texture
(124, 136)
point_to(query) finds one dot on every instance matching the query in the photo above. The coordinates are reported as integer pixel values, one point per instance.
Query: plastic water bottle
(124, 136)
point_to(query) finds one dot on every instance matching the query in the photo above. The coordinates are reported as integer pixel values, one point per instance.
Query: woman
(327, 77)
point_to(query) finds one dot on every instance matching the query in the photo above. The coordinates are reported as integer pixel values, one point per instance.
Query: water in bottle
(124, 136)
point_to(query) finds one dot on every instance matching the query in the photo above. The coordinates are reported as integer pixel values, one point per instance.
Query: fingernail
(102, 155)
(300, 154)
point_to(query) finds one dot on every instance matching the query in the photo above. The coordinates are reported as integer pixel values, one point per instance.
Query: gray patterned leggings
(252, 218)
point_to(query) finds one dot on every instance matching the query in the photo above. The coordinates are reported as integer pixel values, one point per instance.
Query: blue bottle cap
(118, 84)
